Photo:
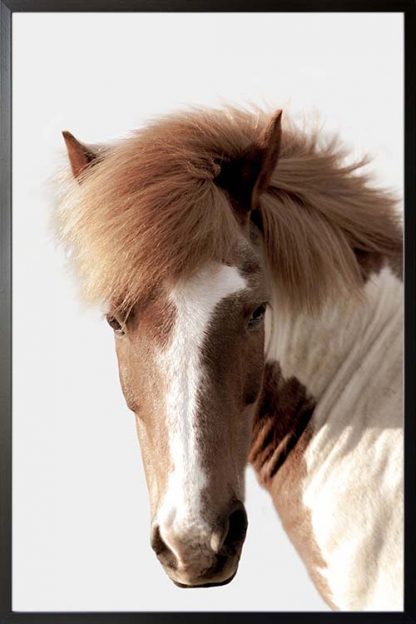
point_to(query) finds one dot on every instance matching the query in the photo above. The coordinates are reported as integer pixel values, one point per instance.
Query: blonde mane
(150, 209)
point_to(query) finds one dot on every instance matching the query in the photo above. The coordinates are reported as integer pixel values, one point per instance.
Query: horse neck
(332, 383)
(312, 359)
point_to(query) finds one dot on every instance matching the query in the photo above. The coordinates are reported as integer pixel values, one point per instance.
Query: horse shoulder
(353, 483)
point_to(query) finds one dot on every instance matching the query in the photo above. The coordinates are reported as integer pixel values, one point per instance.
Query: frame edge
(5, 309)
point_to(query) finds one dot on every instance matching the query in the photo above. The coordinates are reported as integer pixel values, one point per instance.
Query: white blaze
(195, 301)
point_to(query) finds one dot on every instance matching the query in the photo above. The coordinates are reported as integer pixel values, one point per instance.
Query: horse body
(252, 279)
(340, 494)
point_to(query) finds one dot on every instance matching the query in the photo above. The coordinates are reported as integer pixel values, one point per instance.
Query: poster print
(239, 122)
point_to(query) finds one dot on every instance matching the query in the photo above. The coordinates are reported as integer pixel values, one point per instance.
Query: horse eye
(113, 322)
(257, 317)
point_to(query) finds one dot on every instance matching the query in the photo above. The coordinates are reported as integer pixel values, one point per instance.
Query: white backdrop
(80, 510)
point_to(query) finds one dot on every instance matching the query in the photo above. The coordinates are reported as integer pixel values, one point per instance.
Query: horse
(251, 271)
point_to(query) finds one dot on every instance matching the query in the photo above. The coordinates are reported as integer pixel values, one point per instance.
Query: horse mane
(150, 210)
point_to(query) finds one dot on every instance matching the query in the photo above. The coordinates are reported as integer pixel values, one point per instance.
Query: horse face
(191, 364)
(191, 357)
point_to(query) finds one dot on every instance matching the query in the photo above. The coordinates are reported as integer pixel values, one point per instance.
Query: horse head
(190, 343)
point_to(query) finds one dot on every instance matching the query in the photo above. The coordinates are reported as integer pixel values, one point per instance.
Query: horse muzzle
(206, 559)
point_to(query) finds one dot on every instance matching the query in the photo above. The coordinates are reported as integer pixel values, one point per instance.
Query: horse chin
(212, 578)
(207, 584)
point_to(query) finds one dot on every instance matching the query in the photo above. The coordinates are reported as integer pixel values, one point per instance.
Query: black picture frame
(7, 9)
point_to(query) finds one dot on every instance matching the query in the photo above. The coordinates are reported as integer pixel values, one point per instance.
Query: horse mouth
(221, 574)
(206, 584)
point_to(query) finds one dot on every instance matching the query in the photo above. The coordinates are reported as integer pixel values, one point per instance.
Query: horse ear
(266, 151)
(80, 156)
(245, 178)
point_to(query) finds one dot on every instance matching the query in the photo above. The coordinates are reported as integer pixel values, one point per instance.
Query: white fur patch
(195, 301)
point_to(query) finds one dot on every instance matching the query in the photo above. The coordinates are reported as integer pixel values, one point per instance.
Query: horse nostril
(237, 527)
(163, 552)
(232, 532)
(156, 541)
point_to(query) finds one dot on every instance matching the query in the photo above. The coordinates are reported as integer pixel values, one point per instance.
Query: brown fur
(144, 388)
(282, 417)
(281, 433)
(156, 318)
(152, 209)
(232, 359)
